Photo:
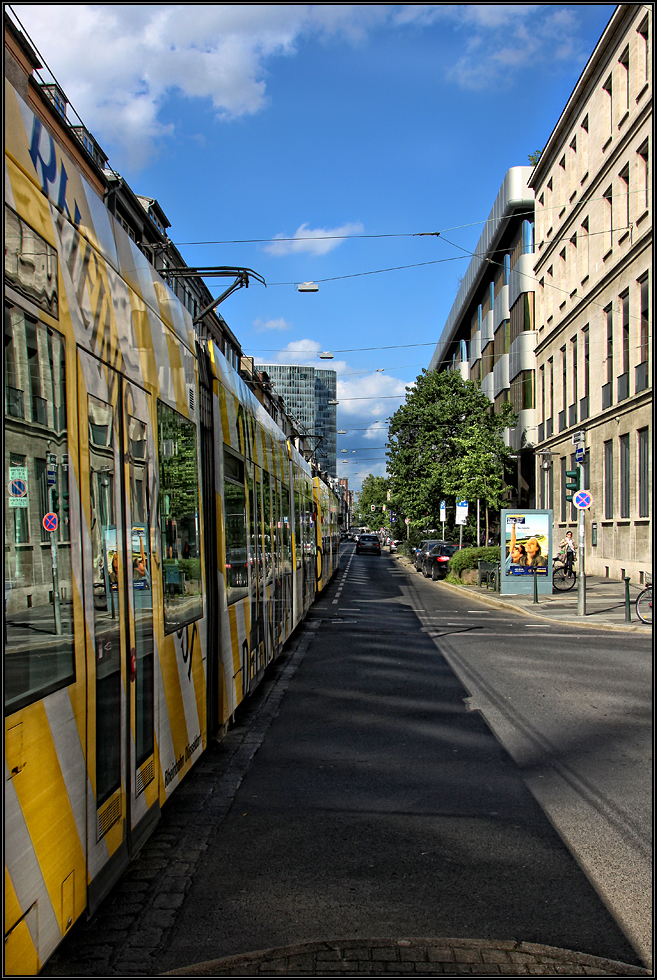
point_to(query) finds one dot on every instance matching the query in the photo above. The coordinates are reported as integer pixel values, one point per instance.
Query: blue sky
(265, 122)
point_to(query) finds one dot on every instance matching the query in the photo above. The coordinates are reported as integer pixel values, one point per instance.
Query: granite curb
(412, 957)
(496, 602)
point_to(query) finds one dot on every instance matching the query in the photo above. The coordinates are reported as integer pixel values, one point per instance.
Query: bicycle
(564, 575)
(644, 605)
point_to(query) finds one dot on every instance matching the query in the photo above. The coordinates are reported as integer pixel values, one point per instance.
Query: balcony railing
(584, 408)
(572, 414)
(623, 386)
(607, 395)
(641, 377)
(15, 405)
(562, 420)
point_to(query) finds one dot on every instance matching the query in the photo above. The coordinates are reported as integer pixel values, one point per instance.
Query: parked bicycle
(564, 575)
(644, 605)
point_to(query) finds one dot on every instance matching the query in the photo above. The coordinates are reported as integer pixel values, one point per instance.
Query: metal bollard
(535, 586)
(628, 614)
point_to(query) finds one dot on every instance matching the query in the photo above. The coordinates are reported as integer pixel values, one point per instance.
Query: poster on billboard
(526, 551)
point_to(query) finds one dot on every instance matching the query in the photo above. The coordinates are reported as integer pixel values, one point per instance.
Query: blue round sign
(18, 488)
(582, 499)
(50, 522)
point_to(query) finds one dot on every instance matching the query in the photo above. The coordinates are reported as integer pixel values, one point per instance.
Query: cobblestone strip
(133, 923)
(412, 957)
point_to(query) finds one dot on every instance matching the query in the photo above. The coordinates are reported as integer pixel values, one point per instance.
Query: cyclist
(569, 552)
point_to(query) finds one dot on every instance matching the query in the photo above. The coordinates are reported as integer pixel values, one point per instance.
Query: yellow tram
(190, 540)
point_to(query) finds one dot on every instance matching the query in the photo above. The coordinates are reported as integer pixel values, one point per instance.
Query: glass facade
(306, 392)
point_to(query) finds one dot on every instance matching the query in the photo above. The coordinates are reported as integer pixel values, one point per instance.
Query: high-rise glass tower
(306, 392)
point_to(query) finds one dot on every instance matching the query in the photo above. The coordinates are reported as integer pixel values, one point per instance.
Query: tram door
(117, 455)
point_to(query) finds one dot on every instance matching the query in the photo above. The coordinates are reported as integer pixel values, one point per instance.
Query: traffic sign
(407, 520)
(18, 486)
(461, 511)
(50, 522)
(579, 454)
(582, 499)
(443, 511)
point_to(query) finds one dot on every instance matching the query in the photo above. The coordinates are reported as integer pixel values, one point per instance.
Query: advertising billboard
(526, 542)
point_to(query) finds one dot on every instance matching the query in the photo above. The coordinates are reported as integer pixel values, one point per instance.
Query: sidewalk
(410, 957)
(605, 603)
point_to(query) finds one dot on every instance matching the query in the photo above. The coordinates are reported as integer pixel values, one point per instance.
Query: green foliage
(374, 490)
(534, 157)
(468, 558)
(446, 442)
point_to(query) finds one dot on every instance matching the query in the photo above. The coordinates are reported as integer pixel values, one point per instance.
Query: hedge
(468, 558)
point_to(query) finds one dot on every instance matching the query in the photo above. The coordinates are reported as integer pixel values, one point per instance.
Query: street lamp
(326, 355)
(307, 287)
(333, 401)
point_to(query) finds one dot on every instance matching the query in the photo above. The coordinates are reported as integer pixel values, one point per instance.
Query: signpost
(443, 515)
(461, 517)
(582, 501)
(50, 522)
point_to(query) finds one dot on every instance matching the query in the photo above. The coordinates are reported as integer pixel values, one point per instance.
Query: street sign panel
(579, 454)
(18, 487)
(461, 511)
(443, 511)
(407, 520)
(50, 522)
(582, 499)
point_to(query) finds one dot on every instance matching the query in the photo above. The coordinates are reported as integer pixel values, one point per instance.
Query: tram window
(237, 581)
(285, 519)
(140, 564)
(297, 527)
(39, 641)
(179, 519)
(108, 599)
(269, 525)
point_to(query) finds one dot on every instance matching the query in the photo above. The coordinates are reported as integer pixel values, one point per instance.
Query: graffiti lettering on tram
(187, 646)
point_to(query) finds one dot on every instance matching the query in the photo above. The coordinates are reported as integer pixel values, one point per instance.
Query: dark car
(436, 563)
(423, 549)
(368, 544)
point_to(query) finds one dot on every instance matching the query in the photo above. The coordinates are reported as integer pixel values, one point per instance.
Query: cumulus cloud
(316, 241)
(277, 324)
(370, 397)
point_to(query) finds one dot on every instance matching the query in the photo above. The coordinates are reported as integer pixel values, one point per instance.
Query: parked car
(435, 564)
(423, 549)
(368, 544)
(394, 544)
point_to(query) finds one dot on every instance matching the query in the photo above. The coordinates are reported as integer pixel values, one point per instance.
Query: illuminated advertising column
(526, 551)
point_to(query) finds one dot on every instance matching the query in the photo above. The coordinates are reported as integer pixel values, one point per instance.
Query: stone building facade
(593, 269)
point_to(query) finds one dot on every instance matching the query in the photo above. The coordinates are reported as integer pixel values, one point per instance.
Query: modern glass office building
(307, 392)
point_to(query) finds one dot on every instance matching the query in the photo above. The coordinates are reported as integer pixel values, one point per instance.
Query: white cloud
(363, 397)
(277, 324)
(329, 238)
(503, 40)
(118, 63)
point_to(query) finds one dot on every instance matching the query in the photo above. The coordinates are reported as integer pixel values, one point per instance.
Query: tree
(534, 157)
(374, 490)
(446, 441)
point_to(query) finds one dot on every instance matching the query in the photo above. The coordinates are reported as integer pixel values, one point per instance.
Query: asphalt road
(380, 803)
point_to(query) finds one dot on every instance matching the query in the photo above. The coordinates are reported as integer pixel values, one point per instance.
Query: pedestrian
(568, 551)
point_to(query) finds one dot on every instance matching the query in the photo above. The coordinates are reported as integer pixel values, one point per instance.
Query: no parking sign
(50, 522)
